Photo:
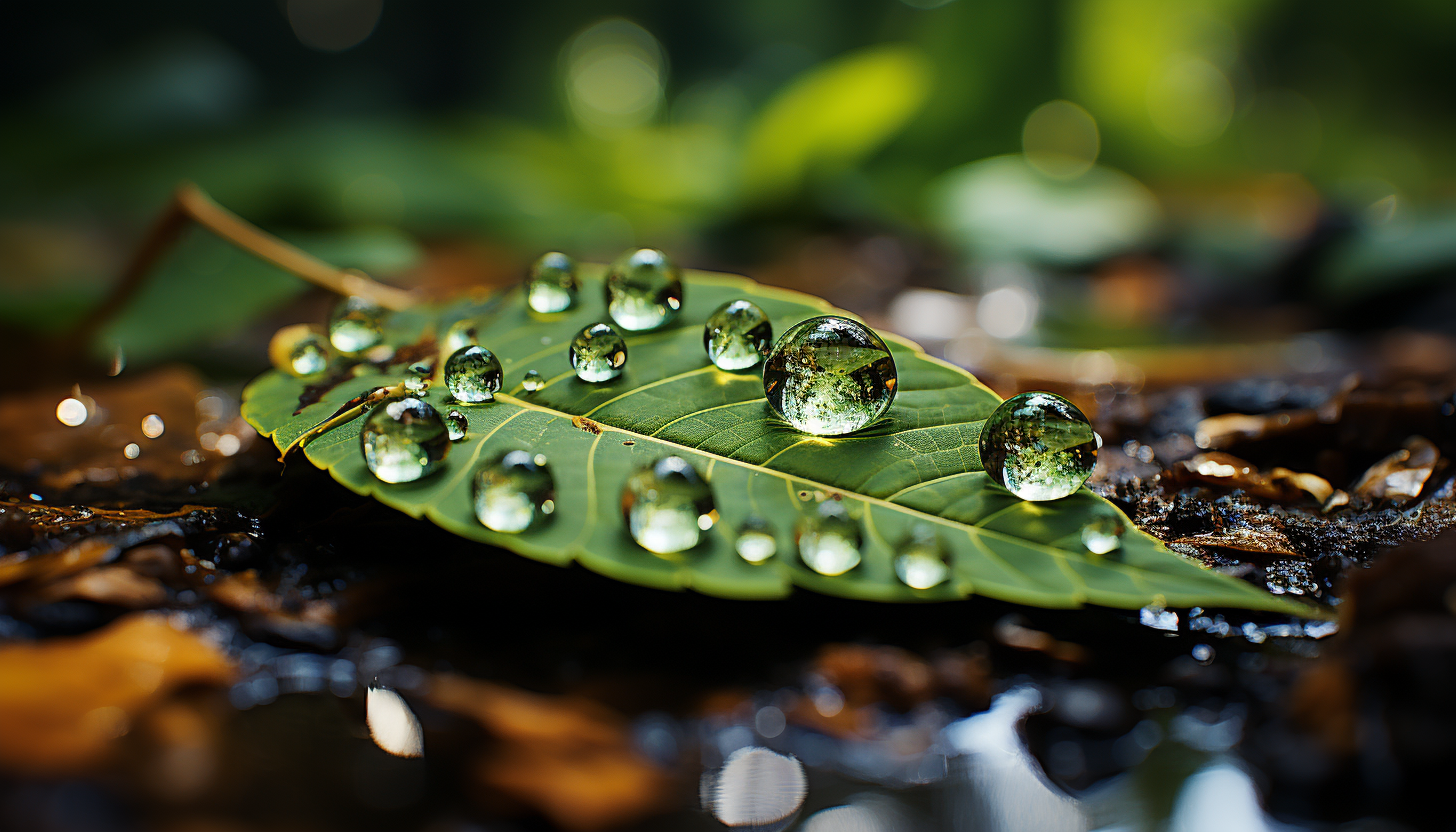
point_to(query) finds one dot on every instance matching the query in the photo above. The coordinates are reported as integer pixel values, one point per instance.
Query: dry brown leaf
(1228, 471)
(571, 759)
(1399, 477)
(64, 701)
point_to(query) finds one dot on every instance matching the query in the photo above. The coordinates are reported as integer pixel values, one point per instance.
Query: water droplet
(755, 542)
(551, 284)
(532, 381)
(668, 506)
(153, 426)
(404, 440)
(737, 335)
(462, 333)
(829, 539)
(922, 562)
(132, 450)
(829, 376)
(598, 353)
(473, 375)
(1103, 533)
(299, 350)
(356, 325)
(456, 425)
(756, 789)
(514, 491)
(1039, 446)
(644, 290)
(71, 412)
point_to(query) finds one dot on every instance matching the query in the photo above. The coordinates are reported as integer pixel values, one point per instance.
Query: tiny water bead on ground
(755, 542)
(922, 562)
(737, 335)
(299, 350)
(532, 381)
(829, 376)
(473, 375)
(644, 290)
(514, 491)
(404, 440)
(668, 506)
(598, 353)
(829, 539)
(457, 425)
(1102, 534)
(551, 284)
(1039, 446)
(356, 325)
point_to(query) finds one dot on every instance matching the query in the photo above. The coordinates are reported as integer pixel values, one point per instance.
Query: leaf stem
(351, 410)
(190, 204)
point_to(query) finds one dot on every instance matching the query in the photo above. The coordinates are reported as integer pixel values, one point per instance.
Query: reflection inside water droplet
(1038, 446)
(551, 283)
(922, 562)
(532, 381)
(514, 491)
(643, 290)
(473, 375)
(456, 425)
(737, 335)
(356, 325)
(829, 376)
(755, 542)
(598, 353)
(668, 506)
(404, 440)
(1103, 533)
(829, 539)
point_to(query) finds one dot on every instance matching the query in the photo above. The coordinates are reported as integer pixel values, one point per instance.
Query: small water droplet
(668, 506)
(473, 375)
(551, 284)
(514, 491)
(356, 325)
(404, 440)
(299, 350)
(1038, 446)
(755, 542)
(532, 381)
(1103, 533)
(829, 539)
(462, 333)
(1203, 653)
(153, 426)
(71, 412)
(456, 425)
(644, 290)
(737, 335)
(598, 353)
(829, 376)
(132, 450)
(922, 562)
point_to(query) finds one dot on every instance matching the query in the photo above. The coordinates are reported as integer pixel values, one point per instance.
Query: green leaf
(909, 471)
(833, 116)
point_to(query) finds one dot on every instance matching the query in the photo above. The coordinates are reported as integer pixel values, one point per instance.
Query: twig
(189, 202)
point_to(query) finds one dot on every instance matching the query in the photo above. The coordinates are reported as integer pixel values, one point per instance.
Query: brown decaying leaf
(1400, 476)
(1228, 471)
(64, 701)
(571, 759)
(60, 456)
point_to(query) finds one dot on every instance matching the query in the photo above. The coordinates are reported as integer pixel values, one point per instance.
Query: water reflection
(756, 788)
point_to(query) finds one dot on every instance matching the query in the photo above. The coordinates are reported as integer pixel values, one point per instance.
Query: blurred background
(1107, 173)
(1220, 226)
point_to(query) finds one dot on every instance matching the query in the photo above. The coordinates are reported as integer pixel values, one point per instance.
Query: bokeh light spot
(1060, 139)
(333, 25)
(1191, 101)
(614, 75)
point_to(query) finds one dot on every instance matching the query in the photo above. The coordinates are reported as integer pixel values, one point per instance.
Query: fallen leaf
(1399, 477)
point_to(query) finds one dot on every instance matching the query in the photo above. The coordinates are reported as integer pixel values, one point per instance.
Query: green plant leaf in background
(833, 116)
(906, 474)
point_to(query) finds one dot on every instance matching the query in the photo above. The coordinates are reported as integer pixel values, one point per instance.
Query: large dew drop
(644, 290)
(514, 491)
(829, 376)
(356, 325)
(1102, 534)
(668, 506)
(829, 539)
(1039, 446)
(737, 335)
(473, 375)
(551, 284)
(922, 563)
(404, 440)
(598, 353)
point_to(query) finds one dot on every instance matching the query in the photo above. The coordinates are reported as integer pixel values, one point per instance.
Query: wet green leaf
(906, 474)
